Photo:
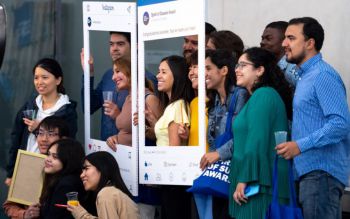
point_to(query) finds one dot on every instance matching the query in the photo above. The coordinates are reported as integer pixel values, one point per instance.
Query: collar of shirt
(282, 63)
(307, 65)
(228, 97)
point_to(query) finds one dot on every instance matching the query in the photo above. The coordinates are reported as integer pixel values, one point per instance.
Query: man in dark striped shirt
(320, 143)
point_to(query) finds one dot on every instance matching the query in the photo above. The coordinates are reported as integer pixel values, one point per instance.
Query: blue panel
(151, 2)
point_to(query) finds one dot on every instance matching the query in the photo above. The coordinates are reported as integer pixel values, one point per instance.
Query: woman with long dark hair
(51, 100)
(175, 94)
(62, 170)
(101, 177)
(222, 92)
(267, 110)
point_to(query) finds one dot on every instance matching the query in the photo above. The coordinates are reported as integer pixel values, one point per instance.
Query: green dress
(254, 153)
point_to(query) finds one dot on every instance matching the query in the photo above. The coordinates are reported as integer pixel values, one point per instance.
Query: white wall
(248, 19)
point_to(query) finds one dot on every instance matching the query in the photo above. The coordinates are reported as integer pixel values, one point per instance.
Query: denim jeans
(320, 195)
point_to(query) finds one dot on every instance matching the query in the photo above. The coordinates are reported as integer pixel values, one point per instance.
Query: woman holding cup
(101, 178)
(123, 120)
(266, 112)
(51, 100)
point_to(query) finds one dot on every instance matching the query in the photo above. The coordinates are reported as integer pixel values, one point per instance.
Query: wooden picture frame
(27, 178)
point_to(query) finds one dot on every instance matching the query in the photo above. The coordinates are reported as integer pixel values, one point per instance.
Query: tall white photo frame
(171, 165)
(121, 17)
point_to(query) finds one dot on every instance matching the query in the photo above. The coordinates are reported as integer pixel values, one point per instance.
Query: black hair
(221, 58)
(193, 60)
(127, 35)
(52, 122)
(226, 39)
(209, 28)
(182, 86)
(272, 77)
(280, 25)
(149, 85)
(52, 66)
(311, 30)
(71, 154)
(108, 167)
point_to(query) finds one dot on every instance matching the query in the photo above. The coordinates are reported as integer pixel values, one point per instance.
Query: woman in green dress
(267, 111)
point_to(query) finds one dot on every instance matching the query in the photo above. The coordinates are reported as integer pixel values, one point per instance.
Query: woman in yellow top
(192, 133)
(175, 93)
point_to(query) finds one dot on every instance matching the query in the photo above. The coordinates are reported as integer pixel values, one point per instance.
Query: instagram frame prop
(171, 165)
(120, 17)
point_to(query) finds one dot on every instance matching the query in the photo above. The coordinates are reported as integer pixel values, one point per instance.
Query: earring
(256, 81)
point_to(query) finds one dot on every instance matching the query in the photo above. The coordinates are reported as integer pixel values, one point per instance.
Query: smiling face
(90, 176)
(45, 83)
(193, 76)
(210, 44)
(121, 80)
(165, 78)
(190, 45)
(214, 76)
(246, 73)
(52, 162)
(45, 138)
(119, 47)
(295, 45)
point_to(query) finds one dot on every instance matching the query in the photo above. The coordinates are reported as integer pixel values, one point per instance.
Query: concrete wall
(249, 18)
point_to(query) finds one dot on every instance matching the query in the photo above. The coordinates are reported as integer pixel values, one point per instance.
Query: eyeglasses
(241, 65)
(47, 134)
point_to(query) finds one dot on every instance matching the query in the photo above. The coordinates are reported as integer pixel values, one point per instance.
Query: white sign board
(172, 165)
(119, 17)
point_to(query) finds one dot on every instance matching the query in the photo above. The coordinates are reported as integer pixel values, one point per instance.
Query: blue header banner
(151, 2)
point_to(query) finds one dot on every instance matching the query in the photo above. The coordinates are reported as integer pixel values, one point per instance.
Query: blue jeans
(320, 195)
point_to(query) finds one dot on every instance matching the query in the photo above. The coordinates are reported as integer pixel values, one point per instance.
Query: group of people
(283, 85)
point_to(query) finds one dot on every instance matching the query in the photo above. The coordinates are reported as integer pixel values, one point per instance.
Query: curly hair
(226, 39)
(272, 77)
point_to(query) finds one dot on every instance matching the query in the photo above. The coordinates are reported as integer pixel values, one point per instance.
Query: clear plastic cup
(107, 95)
(29, 114)
(280, 137)
(72, 198)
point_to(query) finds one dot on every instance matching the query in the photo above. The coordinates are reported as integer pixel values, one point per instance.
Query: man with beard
(321, 123)
(271, 40)
(190, 44)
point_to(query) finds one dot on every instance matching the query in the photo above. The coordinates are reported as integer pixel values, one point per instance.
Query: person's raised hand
(90, 61)
(112, 142)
